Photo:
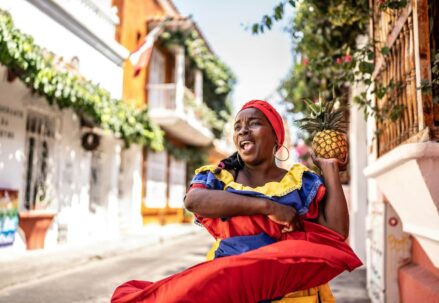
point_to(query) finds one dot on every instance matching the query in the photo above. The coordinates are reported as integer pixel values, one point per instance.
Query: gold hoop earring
(288, 154)
(239, 162)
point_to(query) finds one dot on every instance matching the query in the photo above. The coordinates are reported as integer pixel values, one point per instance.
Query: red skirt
(300, 260)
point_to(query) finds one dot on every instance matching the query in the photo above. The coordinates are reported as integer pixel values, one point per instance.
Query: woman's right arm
(219, 204)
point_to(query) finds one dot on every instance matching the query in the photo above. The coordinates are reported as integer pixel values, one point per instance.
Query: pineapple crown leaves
(323, 115)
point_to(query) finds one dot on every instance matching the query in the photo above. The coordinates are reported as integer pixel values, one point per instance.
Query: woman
(280, 233)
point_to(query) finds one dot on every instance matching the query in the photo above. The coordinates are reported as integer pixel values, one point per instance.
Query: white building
(41, 153)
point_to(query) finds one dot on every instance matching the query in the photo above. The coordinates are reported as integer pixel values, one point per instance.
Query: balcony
(174, 108)
(407, 151)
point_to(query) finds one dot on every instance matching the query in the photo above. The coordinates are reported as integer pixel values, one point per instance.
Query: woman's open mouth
(246, 146)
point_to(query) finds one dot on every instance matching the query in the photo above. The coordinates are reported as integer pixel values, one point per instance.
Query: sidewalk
(350, 287)
(31, 265)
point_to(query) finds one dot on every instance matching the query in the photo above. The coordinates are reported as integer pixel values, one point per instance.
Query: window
(40, 136)
(156, 179)
(177, 180)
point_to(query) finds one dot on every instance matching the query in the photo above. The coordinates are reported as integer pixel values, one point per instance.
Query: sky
(259, 62)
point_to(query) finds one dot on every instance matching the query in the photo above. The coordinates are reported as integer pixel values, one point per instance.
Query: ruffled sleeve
(312, 193)
(205, 178)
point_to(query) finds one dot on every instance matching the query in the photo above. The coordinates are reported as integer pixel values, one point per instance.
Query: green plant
(218, 80)
(332, 58)
(392, 4)
(325, 35)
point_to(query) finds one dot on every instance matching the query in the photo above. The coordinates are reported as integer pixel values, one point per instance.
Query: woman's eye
(254, 123)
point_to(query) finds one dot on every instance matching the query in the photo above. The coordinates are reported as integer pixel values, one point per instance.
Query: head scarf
(272, 116)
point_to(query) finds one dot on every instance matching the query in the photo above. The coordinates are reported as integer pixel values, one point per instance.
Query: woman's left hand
(330, 163)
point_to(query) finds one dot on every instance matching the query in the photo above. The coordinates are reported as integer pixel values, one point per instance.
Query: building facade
(43, 154)
(171, 86)
(400, 159)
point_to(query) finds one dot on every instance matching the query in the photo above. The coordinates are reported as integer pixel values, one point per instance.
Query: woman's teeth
(246, 145)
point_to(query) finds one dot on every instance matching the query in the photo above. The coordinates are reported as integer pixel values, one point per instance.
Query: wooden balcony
(406, 167)
(177, 114)
(404, 70)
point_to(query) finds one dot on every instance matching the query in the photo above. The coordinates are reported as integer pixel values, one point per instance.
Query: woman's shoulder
(209, 170)
(205, 168)
(292, 180)
(297, 171)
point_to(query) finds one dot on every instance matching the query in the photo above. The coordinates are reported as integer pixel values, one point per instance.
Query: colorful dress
(253, 261)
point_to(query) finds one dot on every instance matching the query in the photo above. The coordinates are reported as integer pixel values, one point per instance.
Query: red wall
(419, 280)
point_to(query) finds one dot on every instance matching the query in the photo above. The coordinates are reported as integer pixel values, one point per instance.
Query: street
(95, 281)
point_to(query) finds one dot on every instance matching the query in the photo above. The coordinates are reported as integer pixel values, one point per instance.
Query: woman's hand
(331, 163)
(284, 215)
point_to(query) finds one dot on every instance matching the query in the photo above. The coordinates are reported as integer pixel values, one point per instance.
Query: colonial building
(60, 160)
(173, 85)
(400, 158)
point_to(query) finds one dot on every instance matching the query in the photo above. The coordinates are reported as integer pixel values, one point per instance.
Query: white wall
(62, 42)
(104, 209)
(130, 188)
(12, 137)
(74, 171)
(78, 220)
(358, 182)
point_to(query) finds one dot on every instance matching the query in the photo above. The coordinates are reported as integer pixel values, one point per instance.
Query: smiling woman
(280, 234)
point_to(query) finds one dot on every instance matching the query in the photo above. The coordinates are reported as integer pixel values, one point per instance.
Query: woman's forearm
(335, 213)
(218, 203)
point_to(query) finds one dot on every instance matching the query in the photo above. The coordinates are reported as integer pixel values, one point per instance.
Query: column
(198, 87)
(179, 79)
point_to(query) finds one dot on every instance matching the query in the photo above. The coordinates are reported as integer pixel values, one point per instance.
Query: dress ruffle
(302, 260)
(298, 260)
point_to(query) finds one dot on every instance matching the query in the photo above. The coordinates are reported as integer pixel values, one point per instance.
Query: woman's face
(253, 136)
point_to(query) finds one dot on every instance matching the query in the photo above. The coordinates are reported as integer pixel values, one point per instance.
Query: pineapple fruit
(325, 124)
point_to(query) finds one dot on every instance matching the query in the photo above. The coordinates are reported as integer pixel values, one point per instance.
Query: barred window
(40, 136)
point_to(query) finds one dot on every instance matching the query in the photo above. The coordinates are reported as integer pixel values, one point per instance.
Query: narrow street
(95, 282)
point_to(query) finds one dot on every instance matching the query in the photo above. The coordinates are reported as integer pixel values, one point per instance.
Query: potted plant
(36, 221)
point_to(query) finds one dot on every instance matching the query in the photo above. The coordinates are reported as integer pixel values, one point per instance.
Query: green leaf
(385, 51)
(366, 67)
(255, 28)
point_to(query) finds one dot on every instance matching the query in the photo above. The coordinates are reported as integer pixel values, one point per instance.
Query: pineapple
(325, 124)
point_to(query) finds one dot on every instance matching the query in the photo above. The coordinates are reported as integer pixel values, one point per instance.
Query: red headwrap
(272, 116)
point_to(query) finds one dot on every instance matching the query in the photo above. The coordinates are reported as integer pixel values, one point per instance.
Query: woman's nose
(243, 130)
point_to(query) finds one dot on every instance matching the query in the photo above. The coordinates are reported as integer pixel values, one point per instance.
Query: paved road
(350, 287)
(95, 282)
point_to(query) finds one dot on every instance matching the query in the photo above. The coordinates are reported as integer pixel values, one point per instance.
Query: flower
(347, 58)
(305, 61)
(339, 60)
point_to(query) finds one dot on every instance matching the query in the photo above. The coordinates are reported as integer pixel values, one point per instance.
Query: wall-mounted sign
(8, 216)
(8, 120)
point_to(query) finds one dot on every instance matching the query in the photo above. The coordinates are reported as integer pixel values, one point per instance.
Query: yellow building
(171, 86)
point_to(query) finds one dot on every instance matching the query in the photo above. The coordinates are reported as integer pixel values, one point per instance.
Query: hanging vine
(326, 36)
(38, 69)
(218, 80)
